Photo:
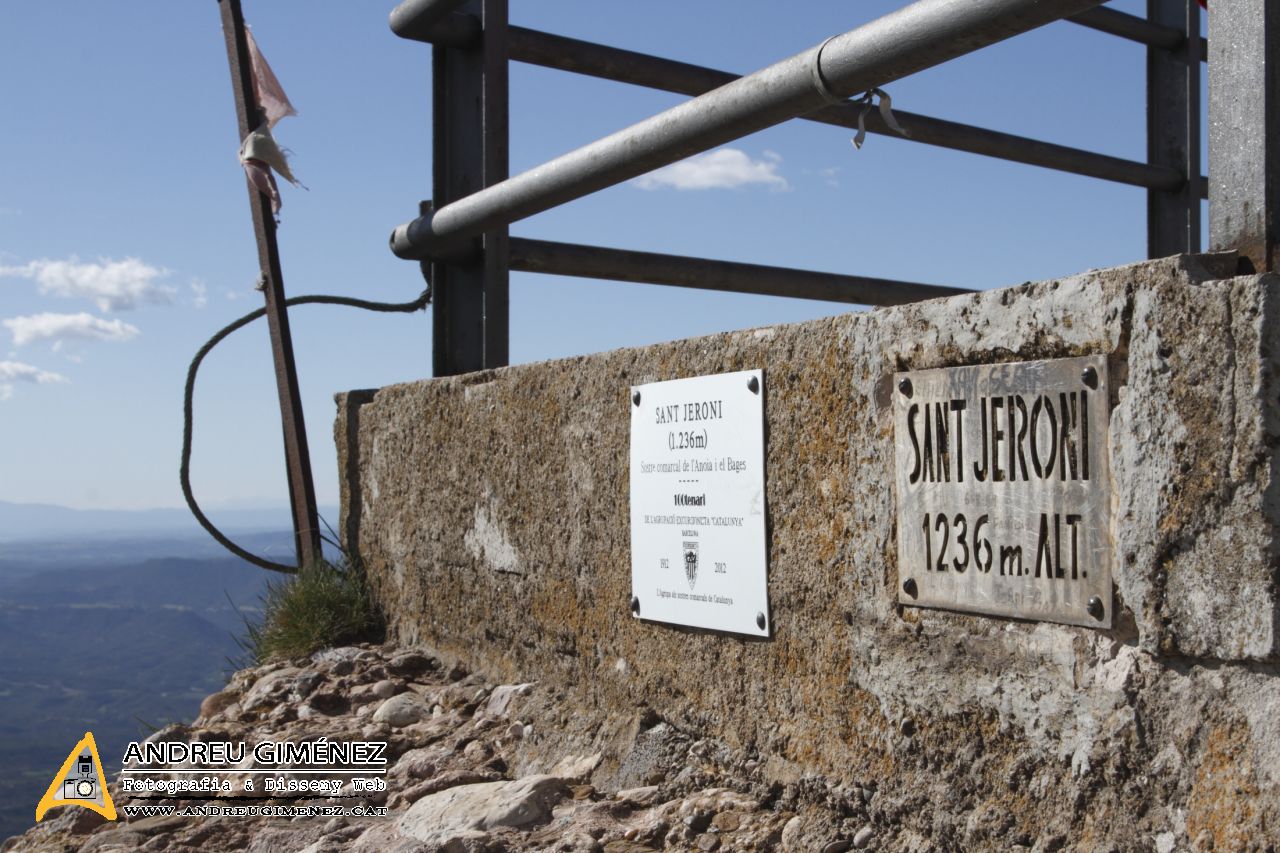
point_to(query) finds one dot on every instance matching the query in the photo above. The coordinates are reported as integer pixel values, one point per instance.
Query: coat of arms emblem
(691, 562)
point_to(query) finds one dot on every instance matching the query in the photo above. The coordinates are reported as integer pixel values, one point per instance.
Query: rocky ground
(468, 772)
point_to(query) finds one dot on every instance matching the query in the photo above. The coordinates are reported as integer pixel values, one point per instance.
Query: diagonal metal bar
(302, 496)
(918, 36)
(599, 262)
(625, 66)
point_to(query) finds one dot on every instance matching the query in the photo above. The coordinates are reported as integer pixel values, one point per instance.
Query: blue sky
(125, 238)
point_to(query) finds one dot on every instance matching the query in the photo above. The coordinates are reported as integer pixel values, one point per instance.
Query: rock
(624, 846)
(330, 704)
(486, 806)
(386, 688)
(284, 713)
(645, 796)
(500, 699)
(399, 711)
(118, 838)
(466, 841)
(269, 689)
(418, 763)
(217, 703)
(707, 841)
(656, 754)
(328, 657)
(576, 767)
(862, 837)
(808, 832)
(791, 834)
(306, 681)
(157, 824)
(411, 664)
(477, 751)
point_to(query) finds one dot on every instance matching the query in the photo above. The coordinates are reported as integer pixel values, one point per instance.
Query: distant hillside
(104, 644)
(20, 521)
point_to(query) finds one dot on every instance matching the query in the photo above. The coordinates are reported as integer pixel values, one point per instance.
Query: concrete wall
(492, 513)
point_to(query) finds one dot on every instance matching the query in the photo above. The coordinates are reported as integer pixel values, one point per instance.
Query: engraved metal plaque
(697, 503)
(1004, 489)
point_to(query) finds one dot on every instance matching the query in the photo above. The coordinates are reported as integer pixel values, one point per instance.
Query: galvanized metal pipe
(625, 66)
(545, 256)
(919, 36)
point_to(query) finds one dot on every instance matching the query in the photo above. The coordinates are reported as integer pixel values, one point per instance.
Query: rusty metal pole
(1173, 129)
(469, 149)
(302, 495)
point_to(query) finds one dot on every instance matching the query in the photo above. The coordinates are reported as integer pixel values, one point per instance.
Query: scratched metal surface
(962, 532)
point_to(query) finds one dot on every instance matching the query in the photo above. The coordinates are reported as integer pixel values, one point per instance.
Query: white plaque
(1004, 489)
(698, 553)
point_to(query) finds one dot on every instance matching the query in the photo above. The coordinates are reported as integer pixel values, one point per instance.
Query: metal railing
(461, 236)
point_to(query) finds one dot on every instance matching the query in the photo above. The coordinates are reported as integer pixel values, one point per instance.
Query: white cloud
(112, 285)
(11, 370)
(724, 169)
(201, 294)
(6, 392)
(59, 327)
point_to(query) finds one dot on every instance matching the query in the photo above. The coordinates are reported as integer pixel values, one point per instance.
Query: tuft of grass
(323, 605)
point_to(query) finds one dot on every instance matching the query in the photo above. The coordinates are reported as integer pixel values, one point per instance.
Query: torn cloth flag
(259, 153)
(270, 95)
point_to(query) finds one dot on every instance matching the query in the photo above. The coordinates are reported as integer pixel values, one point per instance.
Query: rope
(185, 473)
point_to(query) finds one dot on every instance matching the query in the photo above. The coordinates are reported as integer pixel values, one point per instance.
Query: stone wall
(492, 513)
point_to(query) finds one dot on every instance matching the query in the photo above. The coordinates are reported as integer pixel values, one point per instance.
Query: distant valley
(111, 633)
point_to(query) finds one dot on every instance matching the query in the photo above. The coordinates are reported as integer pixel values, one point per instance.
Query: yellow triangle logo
(79, 782)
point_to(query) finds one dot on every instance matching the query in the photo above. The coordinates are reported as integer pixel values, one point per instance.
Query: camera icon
(79, 789)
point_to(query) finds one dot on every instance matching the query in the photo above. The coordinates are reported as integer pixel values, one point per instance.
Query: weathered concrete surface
(491, 511)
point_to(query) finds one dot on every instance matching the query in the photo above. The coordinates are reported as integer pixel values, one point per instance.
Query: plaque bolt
(635, 602)
(1090, 377)
(754, 385)
(905, 387)
(760, 621)
(909, 587)
(1096, 610)
(635, 398)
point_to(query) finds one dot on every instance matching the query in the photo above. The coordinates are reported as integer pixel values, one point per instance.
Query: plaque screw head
(1096, 610)
(754, 385)
(635, 605)
(910, 588)
(760, 621)
(635, 398)
(905, 387)
(1090, 377)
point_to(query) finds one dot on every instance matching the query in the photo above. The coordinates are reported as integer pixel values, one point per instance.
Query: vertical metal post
(302, 496)
(1173, 129)
(469, 87)
(1244, 130)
